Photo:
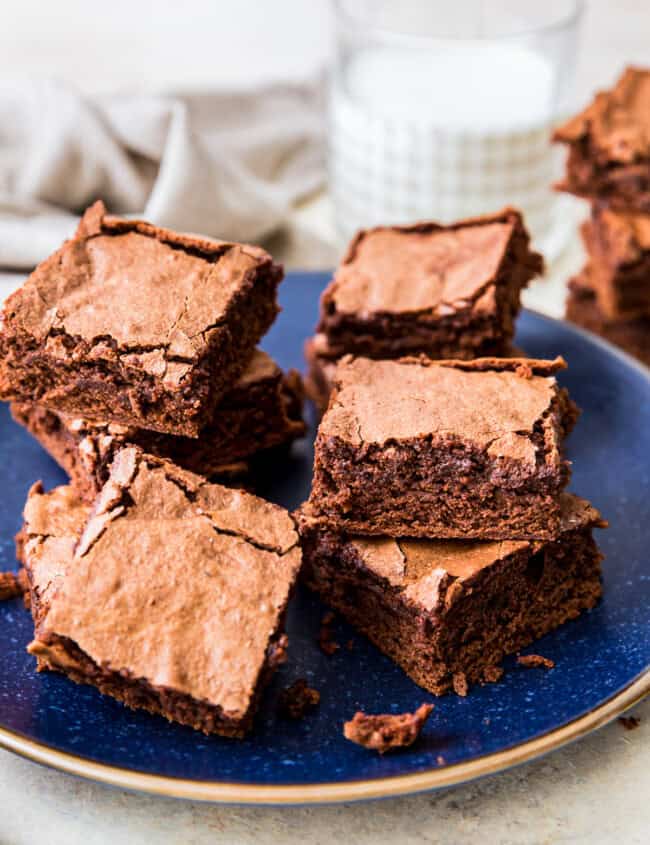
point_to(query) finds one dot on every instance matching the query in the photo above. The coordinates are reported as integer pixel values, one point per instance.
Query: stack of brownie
(131, 355)
(609, 164)
(134, 334)
(442, 291)
(438, 522)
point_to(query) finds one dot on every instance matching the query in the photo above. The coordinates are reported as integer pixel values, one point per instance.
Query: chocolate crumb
(12, 585)
(277, 652)
(386, 731)
(524, 370)
(350, 645)
(326, 641)
(459, 683)
(492, 674)
(535, 661)
(630, 723)
(297, 700)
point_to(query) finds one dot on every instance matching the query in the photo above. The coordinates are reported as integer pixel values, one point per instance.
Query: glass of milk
(442, 109)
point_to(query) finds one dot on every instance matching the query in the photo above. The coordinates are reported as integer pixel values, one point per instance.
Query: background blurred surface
(206, 44)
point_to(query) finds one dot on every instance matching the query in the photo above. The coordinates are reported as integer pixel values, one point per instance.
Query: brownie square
(169, 594)
(136, 324)
(422, 448)
(262, 411)
(609, 145)
(618, 244)
(582, 308)
(447, 612)
(445, 291)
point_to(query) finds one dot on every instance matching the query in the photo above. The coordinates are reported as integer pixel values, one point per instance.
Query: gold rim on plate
(358, 790)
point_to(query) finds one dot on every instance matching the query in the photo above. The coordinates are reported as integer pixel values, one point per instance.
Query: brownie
(168, 594)
(582, 308)
(422, 448)
(262, 411)
(609, 145)
(448, 611)
(618, 244)
(386, 731)
(136, 324)
(445, 291)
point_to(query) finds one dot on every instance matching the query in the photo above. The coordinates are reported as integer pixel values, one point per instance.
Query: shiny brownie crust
(474, 621)
(440, 483)
(480, 322)
(96, 330)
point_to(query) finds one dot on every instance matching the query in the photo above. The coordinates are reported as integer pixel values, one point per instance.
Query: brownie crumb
(524, 370)
(535, 661)
(12, 585)
(297, 700)
(440, 760)
(277, 651)
(492, 674)
(350, 645)
(385, 732)
(630, 723)
(459, 683)
(326, 641)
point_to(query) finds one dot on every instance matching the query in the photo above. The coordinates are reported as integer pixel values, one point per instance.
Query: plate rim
(225, 792)
(229, 792)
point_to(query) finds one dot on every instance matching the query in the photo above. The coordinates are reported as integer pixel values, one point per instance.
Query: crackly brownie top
(491, 403)
(183, 582)
(626, 234)
(135, 288)
(426, 569)
(425, 267)
(616, 122)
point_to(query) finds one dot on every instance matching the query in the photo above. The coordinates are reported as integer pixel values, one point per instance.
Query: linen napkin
(228, 165)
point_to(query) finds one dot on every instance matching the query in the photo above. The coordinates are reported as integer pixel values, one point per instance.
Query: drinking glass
(444, 110)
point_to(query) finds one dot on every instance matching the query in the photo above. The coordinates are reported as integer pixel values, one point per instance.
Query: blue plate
(601, 659)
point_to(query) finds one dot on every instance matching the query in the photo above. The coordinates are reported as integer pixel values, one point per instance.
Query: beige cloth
(229, 165)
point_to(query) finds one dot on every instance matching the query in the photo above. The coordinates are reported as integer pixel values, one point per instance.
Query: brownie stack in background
(609, 164)
(131, 355)
(438, 522)
(443, 291)
(134, 334)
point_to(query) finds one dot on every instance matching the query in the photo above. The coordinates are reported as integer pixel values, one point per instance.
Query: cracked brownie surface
(137, 324)
(184, 586)
(448, 611)
(415, 447)
(447, 291)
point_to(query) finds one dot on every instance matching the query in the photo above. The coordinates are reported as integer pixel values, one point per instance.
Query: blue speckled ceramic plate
(601, 659)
